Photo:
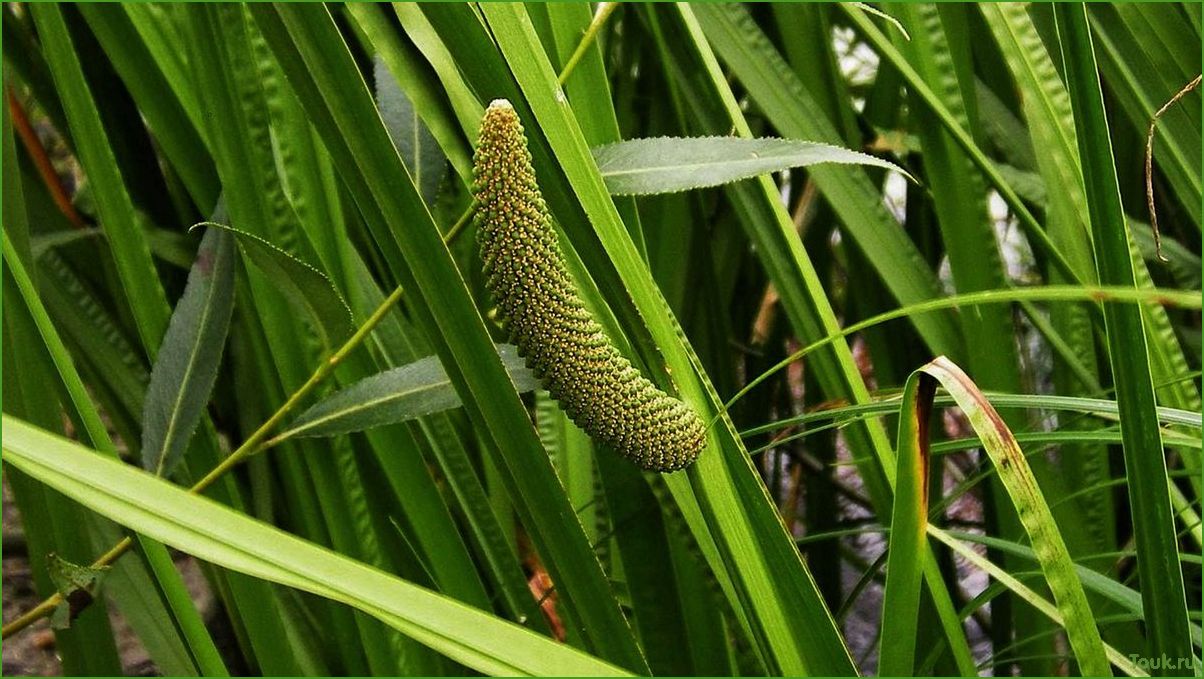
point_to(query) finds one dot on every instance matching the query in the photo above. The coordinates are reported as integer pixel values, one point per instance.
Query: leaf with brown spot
(78, 586)
(1038, 521)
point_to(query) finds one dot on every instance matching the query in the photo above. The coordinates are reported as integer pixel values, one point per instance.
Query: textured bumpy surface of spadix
(562, 343)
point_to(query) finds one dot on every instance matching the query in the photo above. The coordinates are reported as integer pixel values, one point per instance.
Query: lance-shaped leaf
(308, 289)
(403, 393)
(670, 164)
(417, 146)
(188, 359)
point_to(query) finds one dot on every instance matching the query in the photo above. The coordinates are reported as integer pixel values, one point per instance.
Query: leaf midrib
(361, 406)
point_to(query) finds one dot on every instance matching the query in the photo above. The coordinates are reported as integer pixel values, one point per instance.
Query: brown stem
(41, 160)
(1149, 162)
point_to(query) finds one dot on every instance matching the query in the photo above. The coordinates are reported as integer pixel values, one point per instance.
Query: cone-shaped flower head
(577, 363)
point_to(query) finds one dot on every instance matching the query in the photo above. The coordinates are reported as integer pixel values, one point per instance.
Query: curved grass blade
(669, 164)
(220, 535)
(306, 287)
(889, 403)
(1185, 299)
(909, 521)
(1033, 511)
(940, 53)
(184, 372)
(396, 395)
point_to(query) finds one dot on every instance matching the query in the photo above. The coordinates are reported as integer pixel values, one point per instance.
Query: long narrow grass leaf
(1161, 579)
(909, 523)
(220, 535)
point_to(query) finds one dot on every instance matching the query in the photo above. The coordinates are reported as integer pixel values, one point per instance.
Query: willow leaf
(670, 164)
(186, 368)
(396, 395)
(418, 148)
(306, 287)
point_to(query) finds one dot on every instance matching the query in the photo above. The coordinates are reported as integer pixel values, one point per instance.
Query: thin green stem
(605, 9)
(252, 444)
(1041, 293)
(461, 223)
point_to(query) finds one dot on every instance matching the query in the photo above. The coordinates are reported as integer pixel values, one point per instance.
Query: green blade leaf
(131, 253)
(152, 89)
(184, 372)
(306, 287)
(215, 533)
(396, 395)
(1153, 524)
(909, 522)
(669, 164)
